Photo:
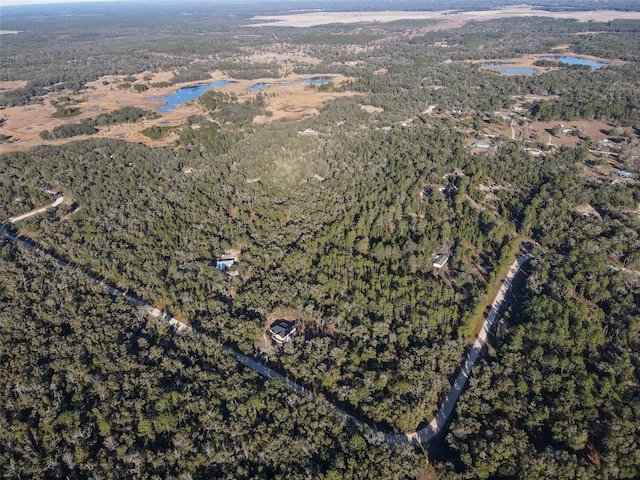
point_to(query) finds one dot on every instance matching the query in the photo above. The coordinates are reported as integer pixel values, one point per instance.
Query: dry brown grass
(287, 100)
(451, 20)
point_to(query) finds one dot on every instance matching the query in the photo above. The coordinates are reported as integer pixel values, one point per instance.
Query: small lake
(316, 80)
(577, 61)
(189, 93)
(258, 87)
(517, 71)
(504, 69)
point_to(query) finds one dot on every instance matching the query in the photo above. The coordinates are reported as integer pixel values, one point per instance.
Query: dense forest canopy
(333, 221)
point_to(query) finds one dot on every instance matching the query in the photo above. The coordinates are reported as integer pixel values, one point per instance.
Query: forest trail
(36, 211)
(625, 270)
(420, 437)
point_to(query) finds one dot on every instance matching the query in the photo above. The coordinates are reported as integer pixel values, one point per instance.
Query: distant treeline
(88, 125)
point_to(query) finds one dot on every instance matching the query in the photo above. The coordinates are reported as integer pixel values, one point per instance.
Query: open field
(287, 100)
(453, 19)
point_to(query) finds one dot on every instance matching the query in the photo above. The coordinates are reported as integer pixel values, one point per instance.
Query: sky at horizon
(11, 3)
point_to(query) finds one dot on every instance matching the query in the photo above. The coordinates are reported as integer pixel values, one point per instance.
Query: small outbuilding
(281, 330)
(224, 263)
(440, 260)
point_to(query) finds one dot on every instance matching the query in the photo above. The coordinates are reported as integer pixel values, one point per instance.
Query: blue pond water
(258, 86)
(316, 80)
(502, 68)
(189, 93)
(517, 71)
(577, 61)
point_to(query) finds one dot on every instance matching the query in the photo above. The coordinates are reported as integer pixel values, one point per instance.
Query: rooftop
(281, 330)
(440, 260)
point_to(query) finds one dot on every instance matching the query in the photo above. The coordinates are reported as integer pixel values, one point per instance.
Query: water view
(577, 61)
(502, 68)
(258, 87)
(316, 80)
(518, 71)
(185, 94)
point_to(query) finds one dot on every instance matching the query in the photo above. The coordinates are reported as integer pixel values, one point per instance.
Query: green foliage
(250, 70)
(88, 126)
(156, 132)
(336, 39)
(111, 396)
(69, 130)
(195, 74)
(337, 217)
(205, 138)
(559, 393)
(226, 110)
(63, 112)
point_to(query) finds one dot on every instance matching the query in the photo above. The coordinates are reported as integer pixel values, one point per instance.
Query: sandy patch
(458, 18)
(9, 85)
(290, 100)
(587, 210)
(372, 109)
(264, 344)
(233, 253)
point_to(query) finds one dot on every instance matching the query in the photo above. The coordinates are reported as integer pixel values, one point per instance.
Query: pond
(316, 80)
(577, 61)
(517, 71)
(503, 69)
(258, 87)
(189, 93)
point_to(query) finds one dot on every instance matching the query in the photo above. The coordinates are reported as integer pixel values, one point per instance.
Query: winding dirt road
(420, 437)
(36, 211)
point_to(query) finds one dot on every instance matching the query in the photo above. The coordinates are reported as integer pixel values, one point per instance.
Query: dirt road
(420, 437)
(36, 211)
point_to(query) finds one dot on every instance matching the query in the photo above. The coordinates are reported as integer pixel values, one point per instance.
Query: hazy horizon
(12, 3)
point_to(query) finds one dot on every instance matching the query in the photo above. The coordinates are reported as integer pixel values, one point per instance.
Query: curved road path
(36, 211)
(420, 437)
